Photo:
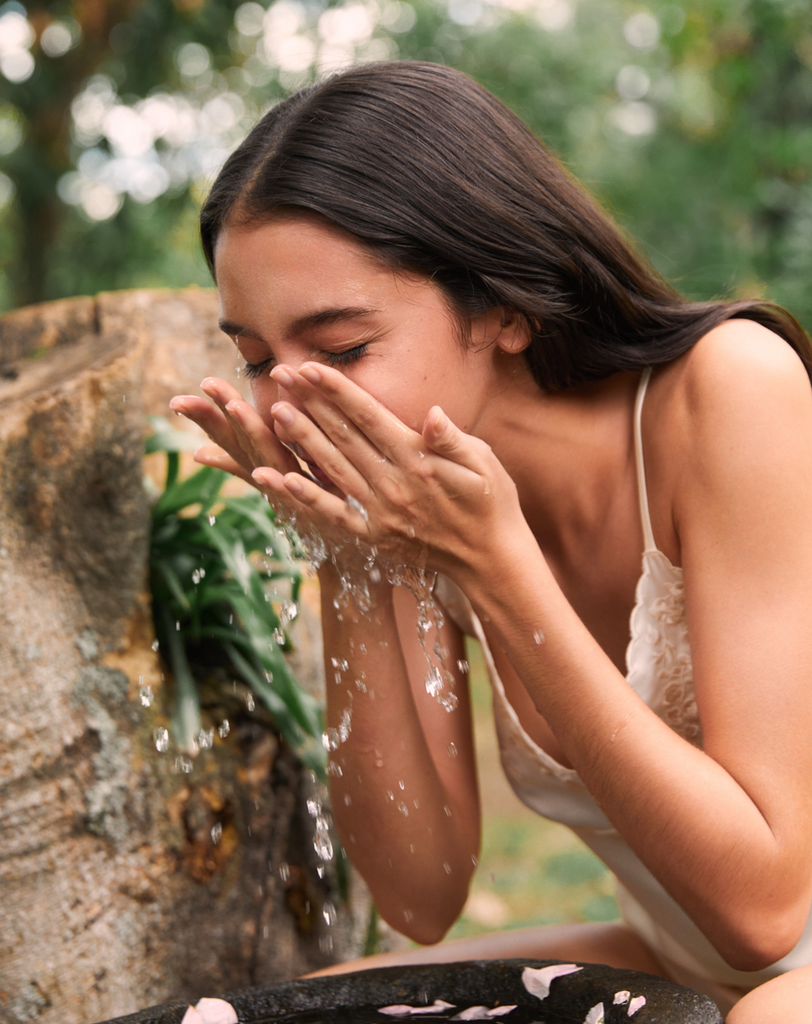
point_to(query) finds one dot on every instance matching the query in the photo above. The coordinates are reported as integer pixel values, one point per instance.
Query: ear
(514, 331)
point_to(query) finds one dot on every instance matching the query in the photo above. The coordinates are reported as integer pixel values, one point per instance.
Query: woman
(485, 382)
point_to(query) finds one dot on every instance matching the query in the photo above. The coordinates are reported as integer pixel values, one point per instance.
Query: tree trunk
(113, 892)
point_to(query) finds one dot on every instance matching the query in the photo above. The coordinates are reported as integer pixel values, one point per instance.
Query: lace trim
(658, 657)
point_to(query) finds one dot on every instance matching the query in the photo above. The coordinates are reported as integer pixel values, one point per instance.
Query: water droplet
(146, 695)
(401, 784)
(404, 810)
(279, 636)
(446, 867)
(328, 912)
(325, 942)
(390, 794)
(463, 666)
(205, 739)
(330, 740)
(408, 915)
(161, 737)
(347, 799)
(197, 575)
(183, 764)
(155, 645)
(212, 519)
(288, 612)
(284, 871)
(322, 843)
(224, 729)
(452, 750)
(538, 636)
(216, 833)
(434, 682)
(177, 625)
(447, 810)
(474, 860)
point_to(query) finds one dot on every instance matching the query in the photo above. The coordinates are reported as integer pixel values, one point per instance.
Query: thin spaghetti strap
(642, 493)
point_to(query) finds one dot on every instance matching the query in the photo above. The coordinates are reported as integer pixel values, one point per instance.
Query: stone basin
(356, 998)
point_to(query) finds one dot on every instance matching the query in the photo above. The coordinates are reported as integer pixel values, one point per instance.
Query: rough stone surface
(114, 894)
(325, 1000)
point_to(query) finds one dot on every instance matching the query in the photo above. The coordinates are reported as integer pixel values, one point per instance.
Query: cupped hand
(242, 443)
(438, 498)
(242, 440)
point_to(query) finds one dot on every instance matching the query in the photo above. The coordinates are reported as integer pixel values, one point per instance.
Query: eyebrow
(322, 318)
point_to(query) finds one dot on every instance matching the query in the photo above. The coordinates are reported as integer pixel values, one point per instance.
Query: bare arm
(406, 800)
(727, 830)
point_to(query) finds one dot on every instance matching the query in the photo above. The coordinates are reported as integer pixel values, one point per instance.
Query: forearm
(410, 827)
(703, 832)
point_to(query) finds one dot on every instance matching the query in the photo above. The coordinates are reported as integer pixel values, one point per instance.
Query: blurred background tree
(692, 121)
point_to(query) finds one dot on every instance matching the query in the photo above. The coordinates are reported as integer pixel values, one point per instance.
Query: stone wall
(113, 894)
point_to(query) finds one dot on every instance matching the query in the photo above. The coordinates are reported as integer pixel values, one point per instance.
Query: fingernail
(282, 414)
(207, 384)
(233, 408)
(293, 485)
(176, 405)
(311, 373)
(281, 376)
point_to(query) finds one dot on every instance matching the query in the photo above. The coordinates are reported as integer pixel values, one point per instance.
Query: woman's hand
(439, 499)
(242, 441)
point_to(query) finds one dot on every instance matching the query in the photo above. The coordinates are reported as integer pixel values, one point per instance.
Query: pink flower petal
(216, 1011)
(596, 1015)
(402, 1010)
(636, 1004)
(192, 1017)
(537, 980)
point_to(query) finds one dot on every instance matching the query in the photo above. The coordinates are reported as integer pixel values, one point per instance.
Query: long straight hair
(437, 176)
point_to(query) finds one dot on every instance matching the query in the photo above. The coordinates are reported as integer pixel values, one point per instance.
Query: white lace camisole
(658, 661)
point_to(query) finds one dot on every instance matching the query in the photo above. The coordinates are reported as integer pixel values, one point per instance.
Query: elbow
(424, 919)
(757, 940)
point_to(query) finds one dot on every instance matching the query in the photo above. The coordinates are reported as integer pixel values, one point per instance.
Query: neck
(566, 451)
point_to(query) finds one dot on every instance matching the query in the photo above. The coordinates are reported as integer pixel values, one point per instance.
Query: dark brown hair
(438, 177)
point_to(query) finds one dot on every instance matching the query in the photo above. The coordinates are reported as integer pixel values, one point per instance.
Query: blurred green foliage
(691, 121)
(215, 565)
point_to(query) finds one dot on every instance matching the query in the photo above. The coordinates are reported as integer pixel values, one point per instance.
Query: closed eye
(352, 355)
(253, 370)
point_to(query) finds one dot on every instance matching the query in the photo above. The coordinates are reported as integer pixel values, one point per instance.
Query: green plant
(215, 565)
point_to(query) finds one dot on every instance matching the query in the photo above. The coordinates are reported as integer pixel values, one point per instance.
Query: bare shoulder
(739, 379)
(729, 417)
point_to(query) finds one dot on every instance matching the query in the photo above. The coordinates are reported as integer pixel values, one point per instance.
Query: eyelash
(352, 355)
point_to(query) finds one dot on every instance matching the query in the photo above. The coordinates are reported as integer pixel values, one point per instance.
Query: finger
(342, 408)
(213, 422)
(322, 456)
(445, 438)
(214, 456)
(219, 391)
(308, 494)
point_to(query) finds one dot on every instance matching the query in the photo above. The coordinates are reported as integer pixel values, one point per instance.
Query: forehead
(287, 265)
